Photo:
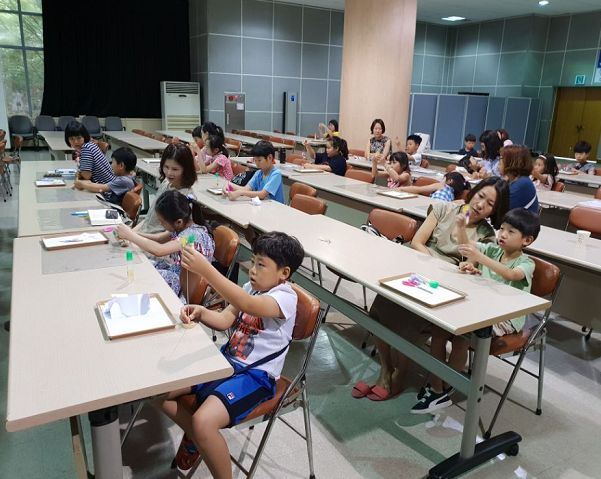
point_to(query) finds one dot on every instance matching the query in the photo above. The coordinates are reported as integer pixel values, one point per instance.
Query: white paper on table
(98, 218)
(119, 324)
(401, 195)
(308, 170)
(74, 240)
(50, 182)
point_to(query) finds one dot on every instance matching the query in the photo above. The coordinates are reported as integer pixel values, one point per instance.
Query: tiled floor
(352, 438)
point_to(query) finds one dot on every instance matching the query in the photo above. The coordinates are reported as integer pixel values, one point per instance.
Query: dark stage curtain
(107, 57)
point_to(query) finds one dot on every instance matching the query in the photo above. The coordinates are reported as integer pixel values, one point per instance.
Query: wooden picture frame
(411, 293)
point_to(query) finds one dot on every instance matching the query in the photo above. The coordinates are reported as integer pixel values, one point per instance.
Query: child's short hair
(456, 181)
(470, 137)
(415, 138)
(182, 156)
(126, 157)
(524, 221)
(517, 160)
(263, 149)
(284, 250)
(74, 128)
(340, 145)
(582, 147)
(375, 122)
(402, 159)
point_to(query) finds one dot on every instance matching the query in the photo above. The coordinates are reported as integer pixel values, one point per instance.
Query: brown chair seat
(507, 344)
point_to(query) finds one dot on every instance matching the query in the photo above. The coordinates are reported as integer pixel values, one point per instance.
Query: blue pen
(79, 213)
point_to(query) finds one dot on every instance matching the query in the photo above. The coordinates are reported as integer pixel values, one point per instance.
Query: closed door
(577, 117)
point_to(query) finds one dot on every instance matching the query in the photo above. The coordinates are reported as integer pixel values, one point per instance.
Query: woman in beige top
(487, 201)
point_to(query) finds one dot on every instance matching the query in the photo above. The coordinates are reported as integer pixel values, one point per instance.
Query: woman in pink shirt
(220, 163)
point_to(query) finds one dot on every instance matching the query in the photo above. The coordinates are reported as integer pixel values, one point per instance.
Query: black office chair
(93, 126)
(113, 123)
(64, 120)
(20, 125)
(45, 123)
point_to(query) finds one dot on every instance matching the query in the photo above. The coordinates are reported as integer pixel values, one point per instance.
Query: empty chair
(361, 175)
(45, 123)
(64, 120)
(234, 145)
(558, 186)
(113, 123)
(296, 159)
(309, 204)
(92, 125)
(21, 125)
(583, 218)
(301, 188)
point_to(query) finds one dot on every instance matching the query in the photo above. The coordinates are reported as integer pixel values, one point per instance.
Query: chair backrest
(92, 124)
(356, 152)
(598, 171)
(45, 123)
(361, 175)
(103, 145)
(308, 204)
(137, 131)
(451, 168)
(296, 159)
(583, 218)
(138, 188)
(237, 168)
(558, 186)
(301, 188)
(20, 125)
(545, 279)
(598, 194)
(113, 123)
(64, 120)
(226, 245)
(425, 180)
(288, 142)
(307, 314)
(131, 204)
(392, 224)
(291, 133)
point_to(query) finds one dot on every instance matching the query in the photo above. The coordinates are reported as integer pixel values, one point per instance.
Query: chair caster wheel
(583, 329)
(538, 412)
(513, 450)
(487, 435)
(363, 345)
(373, 353)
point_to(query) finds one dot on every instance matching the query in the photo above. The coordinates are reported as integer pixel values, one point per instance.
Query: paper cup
(582, 237)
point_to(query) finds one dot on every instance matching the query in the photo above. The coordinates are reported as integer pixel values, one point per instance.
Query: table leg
(79, 456)
(106, 443)
(472, 454)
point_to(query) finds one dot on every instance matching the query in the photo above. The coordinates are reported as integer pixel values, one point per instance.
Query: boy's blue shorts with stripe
(240, 393)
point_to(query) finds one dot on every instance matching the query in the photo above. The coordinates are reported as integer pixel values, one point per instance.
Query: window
(22, 55)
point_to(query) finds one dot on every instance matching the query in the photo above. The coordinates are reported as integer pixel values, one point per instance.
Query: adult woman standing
(378, 147)
(488, 201)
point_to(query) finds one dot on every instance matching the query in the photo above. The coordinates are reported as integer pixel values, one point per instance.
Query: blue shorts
(240, 393)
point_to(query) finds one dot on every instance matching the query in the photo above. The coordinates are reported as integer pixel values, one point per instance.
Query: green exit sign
(580, 79)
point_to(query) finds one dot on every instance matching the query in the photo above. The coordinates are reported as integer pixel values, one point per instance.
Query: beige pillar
(377, 59)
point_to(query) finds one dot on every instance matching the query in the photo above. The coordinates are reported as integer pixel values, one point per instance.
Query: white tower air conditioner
(180, 105)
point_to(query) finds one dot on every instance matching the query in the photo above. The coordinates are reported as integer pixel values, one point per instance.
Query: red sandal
(187, 454)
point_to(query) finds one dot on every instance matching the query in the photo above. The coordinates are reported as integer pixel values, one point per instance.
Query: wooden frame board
(442, 293)
(73, 240)
(400, 195)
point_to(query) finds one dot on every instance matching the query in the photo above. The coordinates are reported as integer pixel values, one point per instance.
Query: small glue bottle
(129, 259)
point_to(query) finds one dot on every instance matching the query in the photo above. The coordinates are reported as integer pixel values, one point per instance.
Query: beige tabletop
(137, 141)
(564, 200)
(60, 364)
(296, 138)
(46, 210)
(593, 181)
(336, 244)
(55, 140)
(251, 140)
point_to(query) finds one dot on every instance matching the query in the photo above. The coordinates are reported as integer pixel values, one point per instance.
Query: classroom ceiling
(432, 11)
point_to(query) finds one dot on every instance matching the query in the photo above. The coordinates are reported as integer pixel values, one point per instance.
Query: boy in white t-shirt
(262, 315)
(411, 147)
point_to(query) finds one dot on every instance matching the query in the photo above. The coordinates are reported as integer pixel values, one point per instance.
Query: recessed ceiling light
(542, 3)
(453, 18)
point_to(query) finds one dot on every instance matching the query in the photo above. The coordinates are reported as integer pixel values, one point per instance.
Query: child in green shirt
(504, 262)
